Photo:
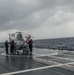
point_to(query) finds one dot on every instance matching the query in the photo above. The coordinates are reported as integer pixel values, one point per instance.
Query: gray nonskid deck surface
(42, 61)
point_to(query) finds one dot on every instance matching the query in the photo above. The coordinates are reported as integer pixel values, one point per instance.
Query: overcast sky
(40, 18)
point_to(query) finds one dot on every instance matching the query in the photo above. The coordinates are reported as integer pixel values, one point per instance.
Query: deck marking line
(55, 53)
(63, 58)
(16, 55)
(34, 53)
(34, 69)
(46, 60)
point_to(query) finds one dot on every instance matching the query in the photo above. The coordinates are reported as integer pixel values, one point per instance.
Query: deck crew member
(12, 46)
(6, 46)
(30, 44)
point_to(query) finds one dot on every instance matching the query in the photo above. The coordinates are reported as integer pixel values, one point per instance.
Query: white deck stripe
(34, 54)
(16, 55)
(34, 69)
(62, 58)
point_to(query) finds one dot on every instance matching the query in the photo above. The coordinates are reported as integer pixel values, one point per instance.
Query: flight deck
(40, 62)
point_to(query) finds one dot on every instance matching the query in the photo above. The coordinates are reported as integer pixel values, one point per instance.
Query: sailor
(6, 46)
(30, 43)
(12, 46)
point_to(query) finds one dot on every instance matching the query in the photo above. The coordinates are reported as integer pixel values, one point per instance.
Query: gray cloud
(13, 12)
(26, 14)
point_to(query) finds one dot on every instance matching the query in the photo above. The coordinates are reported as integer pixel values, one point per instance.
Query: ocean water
(58, 43)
